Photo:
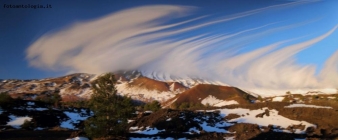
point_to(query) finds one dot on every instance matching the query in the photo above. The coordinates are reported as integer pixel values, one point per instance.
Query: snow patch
(230, 138)
(274, 118)
(37, 109)
(144, 94)
(331, 97)
(278, 99)
(74, 118)
(271, 93)
(194, 129)
(224, 103)
(78, 138)
(211, 100)
(17, 121)
(30, 103)
(208, 128)
(148, 131)
(304, 105)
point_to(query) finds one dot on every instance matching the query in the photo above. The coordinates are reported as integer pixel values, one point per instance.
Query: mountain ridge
(130, 83)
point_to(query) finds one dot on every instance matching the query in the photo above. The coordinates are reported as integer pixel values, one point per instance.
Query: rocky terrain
(191, 109)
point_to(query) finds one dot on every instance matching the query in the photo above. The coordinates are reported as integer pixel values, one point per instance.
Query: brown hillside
(150, 84)
(199, 92)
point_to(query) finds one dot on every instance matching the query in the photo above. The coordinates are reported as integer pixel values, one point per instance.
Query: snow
(213, 127)
(184, 80)
(280, 92)
(144, 94)
(157, 138)
(67, 124)
(213, 101)
(39, 128)
(278, 99)
(168, 104)
(148, 111)
(172, 87)
(147, 131)
(78, 138)
(304, 105)
(135, 128)
(296, 131)
(194, 129)
(37, 109)
(17, 121)
(30, 103)
(273, 118)
(85, 93)
(230, 138)
(74, 118)
(224, 103)
(208, 128)
(169, 119)
(331, 97)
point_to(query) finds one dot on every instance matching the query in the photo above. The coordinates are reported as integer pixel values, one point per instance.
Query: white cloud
(140, 38)
(329, 74)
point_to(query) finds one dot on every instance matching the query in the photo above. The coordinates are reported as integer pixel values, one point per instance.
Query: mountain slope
(146, 88)
(213, 95)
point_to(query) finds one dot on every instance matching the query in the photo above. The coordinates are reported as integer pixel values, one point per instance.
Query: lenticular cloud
(176, 41)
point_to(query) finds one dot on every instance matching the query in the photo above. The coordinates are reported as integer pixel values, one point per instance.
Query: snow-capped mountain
(77, 84)
(142, 86)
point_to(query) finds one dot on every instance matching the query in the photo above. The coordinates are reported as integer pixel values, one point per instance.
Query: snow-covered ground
(282, 92)
(230, 138)
(194, 129)
(78, 138)
(278, 99)
(74, 118)
(249, 116)
(213, 101)
(209, 128)
(147, 131)
(144, 94)
(331, 97)
(246, 116)
(16, 121)
(304, 105)
(185, 81)
(224, 103)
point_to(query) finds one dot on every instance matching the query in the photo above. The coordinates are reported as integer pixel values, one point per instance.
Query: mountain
(77, 84)
(212, 95)
(144, 87)
(198, 108)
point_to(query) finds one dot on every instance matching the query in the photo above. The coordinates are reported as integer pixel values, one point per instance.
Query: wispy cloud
(140, 38)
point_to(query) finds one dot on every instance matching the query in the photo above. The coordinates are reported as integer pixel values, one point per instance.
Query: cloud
(279, 68)
(329, 74)
(139, 38)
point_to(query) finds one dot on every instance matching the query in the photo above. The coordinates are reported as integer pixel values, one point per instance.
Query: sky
(275, 44)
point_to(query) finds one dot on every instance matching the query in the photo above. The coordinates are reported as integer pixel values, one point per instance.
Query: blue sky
(195, 38)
